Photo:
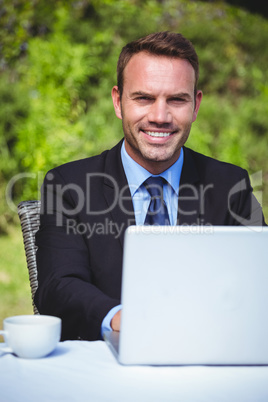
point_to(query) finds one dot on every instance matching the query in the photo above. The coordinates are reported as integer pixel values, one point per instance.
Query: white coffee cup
(31, 336)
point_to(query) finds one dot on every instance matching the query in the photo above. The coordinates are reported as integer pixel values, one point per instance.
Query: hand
(115, 321)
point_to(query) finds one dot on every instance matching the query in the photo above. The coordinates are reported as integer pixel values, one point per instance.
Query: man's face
(157, 108)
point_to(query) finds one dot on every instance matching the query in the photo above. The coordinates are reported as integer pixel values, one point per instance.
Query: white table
(87, 371)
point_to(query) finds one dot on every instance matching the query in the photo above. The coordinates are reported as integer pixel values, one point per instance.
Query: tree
(56, 87)
(253, 6)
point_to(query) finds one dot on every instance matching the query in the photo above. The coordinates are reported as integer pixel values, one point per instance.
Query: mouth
(158, 134)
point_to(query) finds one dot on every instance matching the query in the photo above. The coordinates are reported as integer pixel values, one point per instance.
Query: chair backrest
(29, 214)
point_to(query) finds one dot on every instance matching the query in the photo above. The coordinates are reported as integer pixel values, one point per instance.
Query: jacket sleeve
(243, 206)
(66, 284)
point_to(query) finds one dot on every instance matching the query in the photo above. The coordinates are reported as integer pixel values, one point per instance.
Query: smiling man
(150, 177)
(157, 106)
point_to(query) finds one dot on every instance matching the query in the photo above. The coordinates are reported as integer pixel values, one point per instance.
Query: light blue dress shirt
(136, 175)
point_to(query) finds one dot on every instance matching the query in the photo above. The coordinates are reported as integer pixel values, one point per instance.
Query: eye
(177, 100)
(144, 99)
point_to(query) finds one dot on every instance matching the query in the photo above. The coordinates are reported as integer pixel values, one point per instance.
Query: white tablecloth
(87, 371)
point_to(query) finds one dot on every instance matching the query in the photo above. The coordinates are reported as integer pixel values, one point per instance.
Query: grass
(15, 292)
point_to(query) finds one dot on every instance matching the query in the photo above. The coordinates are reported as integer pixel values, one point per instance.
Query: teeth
(156, 134)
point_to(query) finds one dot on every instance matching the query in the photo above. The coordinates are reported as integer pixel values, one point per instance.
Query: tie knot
(154, 185)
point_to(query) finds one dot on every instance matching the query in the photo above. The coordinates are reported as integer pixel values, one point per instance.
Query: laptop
(193, 295)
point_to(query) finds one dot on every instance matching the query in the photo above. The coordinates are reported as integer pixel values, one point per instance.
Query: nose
(159, 112)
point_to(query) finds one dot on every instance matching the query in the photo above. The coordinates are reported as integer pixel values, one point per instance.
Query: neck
(155, 167)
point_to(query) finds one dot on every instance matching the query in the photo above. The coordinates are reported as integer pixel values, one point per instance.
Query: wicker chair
(29, 212)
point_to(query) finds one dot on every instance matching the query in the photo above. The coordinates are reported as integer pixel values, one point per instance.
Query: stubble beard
(158, 156)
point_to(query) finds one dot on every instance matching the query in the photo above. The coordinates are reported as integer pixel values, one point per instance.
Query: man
(88, 204)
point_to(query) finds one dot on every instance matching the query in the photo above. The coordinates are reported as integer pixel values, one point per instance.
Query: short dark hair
(165, 43)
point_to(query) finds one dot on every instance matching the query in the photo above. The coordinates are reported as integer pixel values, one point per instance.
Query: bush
(60, 107)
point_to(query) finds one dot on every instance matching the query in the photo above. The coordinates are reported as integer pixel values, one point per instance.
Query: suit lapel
(116, 191)
(189, 192)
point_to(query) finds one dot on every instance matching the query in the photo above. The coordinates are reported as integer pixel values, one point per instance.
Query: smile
(157, 134)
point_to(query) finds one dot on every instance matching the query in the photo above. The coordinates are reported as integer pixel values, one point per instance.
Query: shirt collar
(136, 174)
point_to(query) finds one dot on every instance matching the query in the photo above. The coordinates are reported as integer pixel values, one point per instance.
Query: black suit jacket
(86, 207)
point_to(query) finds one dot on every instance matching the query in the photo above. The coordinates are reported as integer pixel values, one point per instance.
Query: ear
(116, 102)
(198, 98)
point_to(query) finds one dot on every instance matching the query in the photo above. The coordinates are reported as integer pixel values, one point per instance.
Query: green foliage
(54, 72)
(15, 288)
(13, 110)
(60, 66)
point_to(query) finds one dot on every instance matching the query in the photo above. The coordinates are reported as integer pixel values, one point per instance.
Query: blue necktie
(157, 213)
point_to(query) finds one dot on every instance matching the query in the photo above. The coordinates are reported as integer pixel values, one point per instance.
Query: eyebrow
(184, 95)
(140, 93)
